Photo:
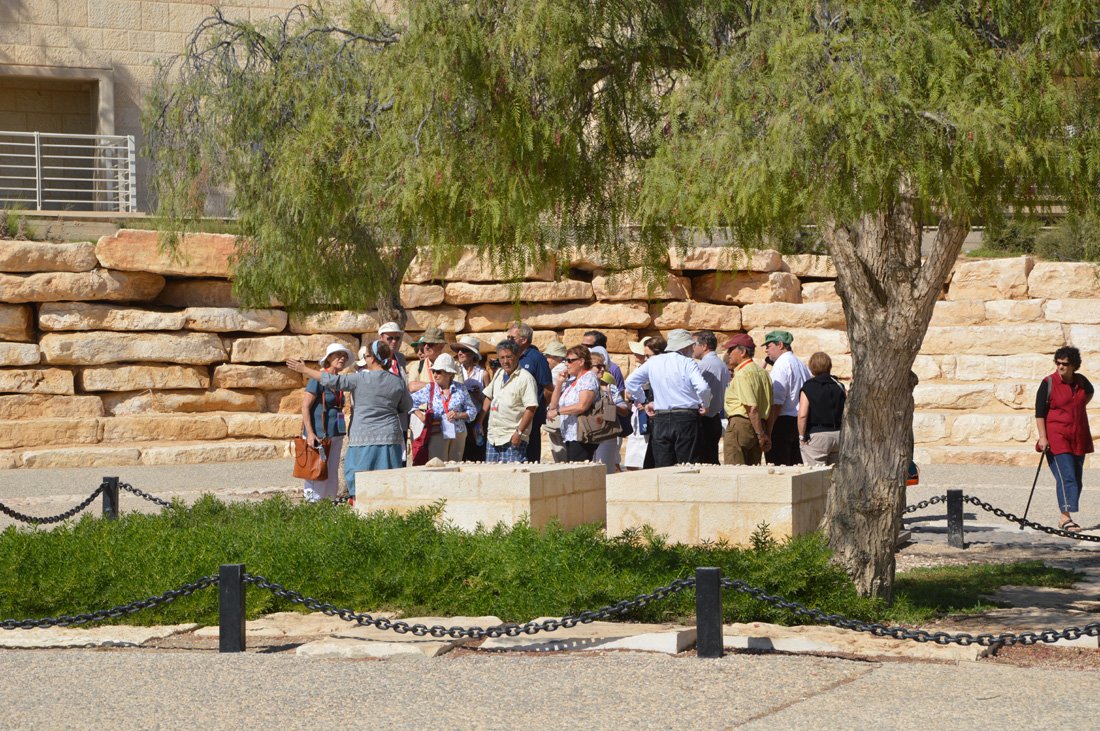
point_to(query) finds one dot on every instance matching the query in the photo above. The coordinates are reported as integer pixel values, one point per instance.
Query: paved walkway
(269, 687)
(136, 689)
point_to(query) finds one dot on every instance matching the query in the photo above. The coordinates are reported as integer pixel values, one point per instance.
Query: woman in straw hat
(323, 418)
(451, 408)
(375, 438)
(473, 375)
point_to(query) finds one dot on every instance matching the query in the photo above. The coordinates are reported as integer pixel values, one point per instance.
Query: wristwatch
(804, 438)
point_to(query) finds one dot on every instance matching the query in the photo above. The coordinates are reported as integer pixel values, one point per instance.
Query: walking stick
(1033, 484)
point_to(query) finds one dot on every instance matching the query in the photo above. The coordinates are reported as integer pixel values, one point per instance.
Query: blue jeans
(1067, 475)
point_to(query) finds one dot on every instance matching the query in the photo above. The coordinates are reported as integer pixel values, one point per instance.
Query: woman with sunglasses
(375, 436)
(450, 406)
(574, 394)
(1064, 429)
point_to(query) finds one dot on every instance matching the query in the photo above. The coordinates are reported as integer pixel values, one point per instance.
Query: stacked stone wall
(117, 353)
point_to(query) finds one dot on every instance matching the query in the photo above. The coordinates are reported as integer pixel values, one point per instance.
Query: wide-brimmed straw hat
(637, 347)
(468, 342)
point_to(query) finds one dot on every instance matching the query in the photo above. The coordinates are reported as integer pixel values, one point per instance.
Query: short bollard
(110, 498)
(708, 612)
(955, 519)
(231, 607)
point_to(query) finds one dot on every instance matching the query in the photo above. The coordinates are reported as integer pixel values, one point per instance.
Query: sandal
(1069, 526)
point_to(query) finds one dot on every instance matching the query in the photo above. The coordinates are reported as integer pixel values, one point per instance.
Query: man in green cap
(788, 374)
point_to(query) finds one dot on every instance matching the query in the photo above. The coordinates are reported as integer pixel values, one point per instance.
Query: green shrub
(1076, 238)
(1011, 237)
(413, 565)
(388, 562)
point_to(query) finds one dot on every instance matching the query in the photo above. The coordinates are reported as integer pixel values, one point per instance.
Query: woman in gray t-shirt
(376, 436)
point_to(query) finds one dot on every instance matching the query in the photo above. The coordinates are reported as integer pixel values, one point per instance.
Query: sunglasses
(391, 337)
(1062, 363)
(600, 367)
(571, 360)
(439, 373)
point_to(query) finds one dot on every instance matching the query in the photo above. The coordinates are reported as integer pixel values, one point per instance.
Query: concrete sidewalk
(137, 689)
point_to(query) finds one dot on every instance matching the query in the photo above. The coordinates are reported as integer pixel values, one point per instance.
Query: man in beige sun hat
(434, 343)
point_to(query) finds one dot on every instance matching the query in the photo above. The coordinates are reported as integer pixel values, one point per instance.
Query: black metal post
(110, 498)
(231, 607)
(955, 519)
(708, 612)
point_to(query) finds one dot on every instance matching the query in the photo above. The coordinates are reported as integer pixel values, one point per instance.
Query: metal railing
(46, 171)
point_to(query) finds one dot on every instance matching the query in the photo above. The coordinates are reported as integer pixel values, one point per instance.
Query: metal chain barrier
(1029, 523)
(22, 517)
(122, 610)
(142, 494)
(924, 504)
(501, 630)
(1006, 639)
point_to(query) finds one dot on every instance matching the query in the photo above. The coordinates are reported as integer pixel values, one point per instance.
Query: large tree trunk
(888, 293)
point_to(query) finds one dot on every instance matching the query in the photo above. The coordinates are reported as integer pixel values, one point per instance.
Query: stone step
(147, 453)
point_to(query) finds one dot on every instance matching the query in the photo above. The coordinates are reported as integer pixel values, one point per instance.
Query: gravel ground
(137, 689)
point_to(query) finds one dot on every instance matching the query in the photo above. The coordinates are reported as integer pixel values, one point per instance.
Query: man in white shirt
(717, 375)
(680, 396)
(788, 374)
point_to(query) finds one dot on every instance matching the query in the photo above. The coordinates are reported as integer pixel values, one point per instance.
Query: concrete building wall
(62, 61)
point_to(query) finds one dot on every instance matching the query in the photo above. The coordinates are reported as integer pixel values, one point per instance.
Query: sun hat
(740, 340)
(555, 348)
(468, 342)
(601, 351)
(638, 347)
(432, 336)
(779, 336)
(362, 362)
(445, 362)
(390, 327)
(678, 340)
(334, 348)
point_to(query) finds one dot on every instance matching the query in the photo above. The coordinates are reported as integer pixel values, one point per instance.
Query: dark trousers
(785, 449)
(579, 451)
(534, 447)
(706, 443)
(673, 438)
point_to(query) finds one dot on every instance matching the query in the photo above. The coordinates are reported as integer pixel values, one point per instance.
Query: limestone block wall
(115, 353)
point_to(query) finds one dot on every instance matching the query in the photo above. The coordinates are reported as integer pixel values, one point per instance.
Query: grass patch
(963, 589)
(414, 565)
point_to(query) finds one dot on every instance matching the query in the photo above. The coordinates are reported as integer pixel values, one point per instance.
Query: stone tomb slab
(667, 638)
(294, 624)
(762, 637)
(487, 494)
(110, 636)
(370, 642)
(696, 503)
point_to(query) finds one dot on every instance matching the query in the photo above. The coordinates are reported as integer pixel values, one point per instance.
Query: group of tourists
(681, 401)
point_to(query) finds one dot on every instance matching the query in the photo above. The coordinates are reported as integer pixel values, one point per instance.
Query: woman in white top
(608, 451)
(638, 440)
(574, 394)
(473, 375)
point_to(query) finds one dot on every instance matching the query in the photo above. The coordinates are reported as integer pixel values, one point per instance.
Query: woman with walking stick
(1064, 429)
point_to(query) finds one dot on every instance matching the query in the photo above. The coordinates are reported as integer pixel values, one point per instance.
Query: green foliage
(1011, 237)
(966, 589)
(413, 565)
(822, 111)
(387, 562)
(1076, 238)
